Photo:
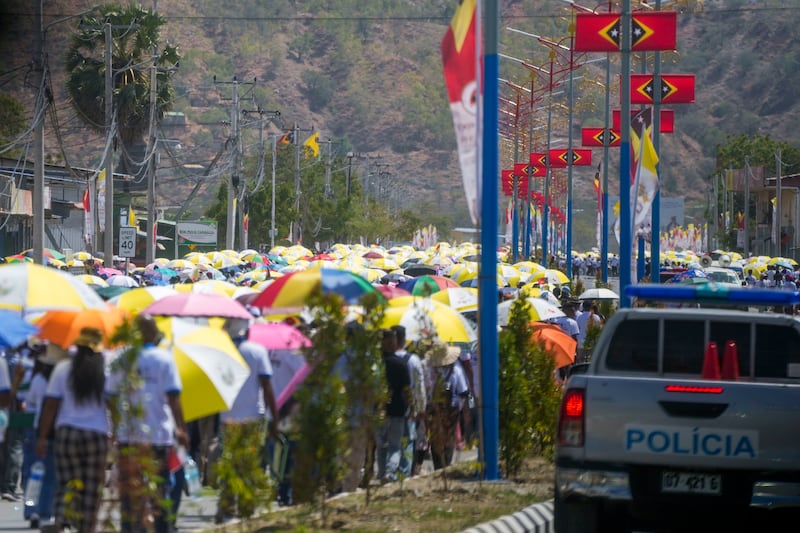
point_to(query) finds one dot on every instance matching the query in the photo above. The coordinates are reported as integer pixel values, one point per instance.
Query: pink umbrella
(196, 304)
(108, 272)
(278, 336)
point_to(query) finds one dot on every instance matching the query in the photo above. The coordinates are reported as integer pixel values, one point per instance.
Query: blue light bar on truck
(711, 292)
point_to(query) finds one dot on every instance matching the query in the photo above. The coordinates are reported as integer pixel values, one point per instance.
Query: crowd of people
(109, 424)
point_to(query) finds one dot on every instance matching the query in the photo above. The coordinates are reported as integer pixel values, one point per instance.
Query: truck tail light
(571, 418)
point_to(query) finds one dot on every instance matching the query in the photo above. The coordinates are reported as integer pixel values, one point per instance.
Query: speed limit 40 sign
(127, 242)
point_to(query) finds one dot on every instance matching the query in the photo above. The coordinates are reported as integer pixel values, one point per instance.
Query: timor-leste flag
(674, 88)
(459, 62)
(602, 32)
(522, 169)
(539, 160)
(559, 157)
(596, 136)
(666, 124)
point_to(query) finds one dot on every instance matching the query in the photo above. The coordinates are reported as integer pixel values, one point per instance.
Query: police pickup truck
(686, 414)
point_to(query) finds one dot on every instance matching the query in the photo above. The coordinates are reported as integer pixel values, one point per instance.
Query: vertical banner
(459, 65)
(88, 218)
(101, 200)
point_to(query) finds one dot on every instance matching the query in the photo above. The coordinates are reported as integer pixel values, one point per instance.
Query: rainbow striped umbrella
(293, 289)
(427, 285)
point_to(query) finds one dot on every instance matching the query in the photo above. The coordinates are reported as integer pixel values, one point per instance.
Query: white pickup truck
(685, 415)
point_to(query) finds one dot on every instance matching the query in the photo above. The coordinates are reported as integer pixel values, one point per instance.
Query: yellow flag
(313, 143)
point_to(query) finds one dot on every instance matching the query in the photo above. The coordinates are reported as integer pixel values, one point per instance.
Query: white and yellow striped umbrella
(139, 298)
(424, 317)
(91, 279)
(33, 289)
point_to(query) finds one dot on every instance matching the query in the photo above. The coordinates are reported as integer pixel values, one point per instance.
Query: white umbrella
(122, 281)
(598, 294)
(541, 311)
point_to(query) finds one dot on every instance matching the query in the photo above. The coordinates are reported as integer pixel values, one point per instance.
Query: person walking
(75, 407)
(144, 393)
(448, 388)
(42, 510)
(242, 426)
(416, 414)
(398, 380)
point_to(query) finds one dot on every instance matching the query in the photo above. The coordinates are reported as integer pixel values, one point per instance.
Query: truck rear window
(634, 347)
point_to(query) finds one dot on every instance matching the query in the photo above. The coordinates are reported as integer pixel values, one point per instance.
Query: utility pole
(150, 252)
(108, 235)
(328, 165)
(272, 224)
(38, 141)
(297, 232)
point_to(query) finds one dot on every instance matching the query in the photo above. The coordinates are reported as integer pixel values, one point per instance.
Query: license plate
(691, 483)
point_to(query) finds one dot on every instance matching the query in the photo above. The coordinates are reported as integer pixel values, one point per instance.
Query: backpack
(442, 395)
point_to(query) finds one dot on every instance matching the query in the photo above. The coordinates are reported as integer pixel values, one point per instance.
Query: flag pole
(625, 249)
(487, 291)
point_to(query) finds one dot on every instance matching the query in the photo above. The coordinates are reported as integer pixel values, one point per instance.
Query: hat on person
(442, 354)
(89, 337)
(53, 354)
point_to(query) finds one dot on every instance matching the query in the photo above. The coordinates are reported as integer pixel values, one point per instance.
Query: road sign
(127, 242)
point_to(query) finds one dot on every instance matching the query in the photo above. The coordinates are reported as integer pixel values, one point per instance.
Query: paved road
(195, 514)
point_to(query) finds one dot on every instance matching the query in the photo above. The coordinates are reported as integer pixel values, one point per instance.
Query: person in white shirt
(75, 407)
(151, 391)
(590, 317)
(42, 511)
(248, 412)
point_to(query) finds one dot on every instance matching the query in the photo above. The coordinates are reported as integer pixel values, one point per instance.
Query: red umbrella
(372, 254)
(391, 292)
(197, 304)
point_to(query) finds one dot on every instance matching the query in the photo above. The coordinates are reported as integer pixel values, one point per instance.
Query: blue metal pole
(570, 103)
(487, 295)
(606, 140)
(655, 224)
(625, 249)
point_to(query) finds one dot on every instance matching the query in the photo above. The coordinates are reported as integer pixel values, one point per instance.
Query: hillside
(367, 75)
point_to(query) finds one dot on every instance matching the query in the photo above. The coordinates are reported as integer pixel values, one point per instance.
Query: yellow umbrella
(227, 261)
(79, 256)
(462, 299)
(551, 276)
(211, 369)
(91, 279)
(180, 264)
(424, 317)
(197, 258)
(207, 286)
(32, 289)
(528, 266)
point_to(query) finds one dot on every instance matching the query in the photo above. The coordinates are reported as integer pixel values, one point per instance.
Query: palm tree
(135, 34)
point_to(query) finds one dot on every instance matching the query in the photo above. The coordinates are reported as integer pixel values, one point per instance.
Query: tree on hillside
(135, 33)
(12, 120)
(761, 151)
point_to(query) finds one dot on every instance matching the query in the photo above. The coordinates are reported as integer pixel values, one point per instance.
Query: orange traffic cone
(730, 361)
(711, 362)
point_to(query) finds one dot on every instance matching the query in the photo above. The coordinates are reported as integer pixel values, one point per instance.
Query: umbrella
(194, 304)
(18, 258)
(417, 270)
(32, 288)
(91, 279)
(211, 369)
(292, 290)
(15, 330)
(554, 341)
(390, 292)
(541, 310)
(278, 336)
(462, 299)
(372, 254)
(120, 280)
(80, 256)
(424, 317)
(107, 293)
(600, 293)
(135, 300)
(49, 253)
(551, 276)
(207, 286)
(427, 285)
(108, 272)
(63, 326)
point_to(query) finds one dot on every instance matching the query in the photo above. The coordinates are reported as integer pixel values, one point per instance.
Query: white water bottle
(34, 485)
(190, 473)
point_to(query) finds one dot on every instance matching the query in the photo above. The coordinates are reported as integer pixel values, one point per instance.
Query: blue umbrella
(15, 330)
(686, 276)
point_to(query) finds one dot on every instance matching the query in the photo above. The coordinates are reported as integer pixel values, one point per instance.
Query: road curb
(537, 518)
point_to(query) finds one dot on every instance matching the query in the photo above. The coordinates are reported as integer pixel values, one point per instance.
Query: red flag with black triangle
(596, 137)
(674, 88)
